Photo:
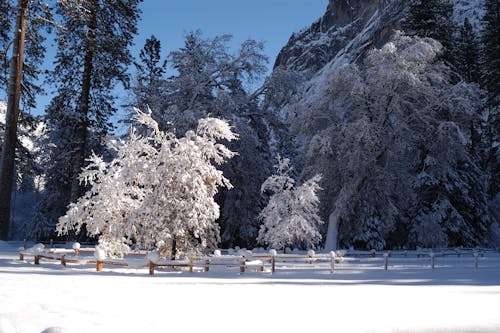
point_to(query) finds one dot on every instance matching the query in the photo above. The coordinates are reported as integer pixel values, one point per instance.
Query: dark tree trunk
(83, 108)
(174, 249)
(10, 139)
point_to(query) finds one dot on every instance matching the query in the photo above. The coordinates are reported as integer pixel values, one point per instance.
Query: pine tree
(28, 50)
(92, 57)
(433, 19)
(5, 28)
(467, 53)
(490, 59)
(150, 76)
(490, 73)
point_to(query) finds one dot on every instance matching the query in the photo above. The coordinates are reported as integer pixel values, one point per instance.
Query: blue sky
(269, 21)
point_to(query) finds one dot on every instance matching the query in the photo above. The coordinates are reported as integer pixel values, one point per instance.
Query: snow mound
(55, 330)
(6, 326)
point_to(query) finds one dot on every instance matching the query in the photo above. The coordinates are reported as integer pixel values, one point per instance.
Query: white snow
(359, 297)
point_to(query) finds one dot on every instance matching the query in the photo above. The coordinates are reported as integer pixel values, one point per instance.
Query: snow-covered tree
(211, 79)
(291, 216)
(368, 134)
(158, 193)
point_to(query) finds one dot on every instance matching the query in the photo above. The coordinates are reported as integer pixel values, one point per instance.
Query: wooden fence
(244, 260)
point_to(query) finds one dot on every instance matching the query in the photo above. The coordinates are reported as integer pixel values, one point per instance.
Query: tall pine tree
(92, 58)
(27, 55)
(491, 51)
(490, 74)
(467, 53)
(150, 76)
(433, 19)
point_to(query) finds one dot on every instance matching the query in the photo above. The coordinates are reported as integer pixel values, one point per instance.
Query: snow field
(359, 297)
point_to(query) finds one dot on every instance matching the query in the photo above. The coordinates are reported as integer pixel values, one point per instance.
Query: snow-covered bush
(158, 191)
(291, 216)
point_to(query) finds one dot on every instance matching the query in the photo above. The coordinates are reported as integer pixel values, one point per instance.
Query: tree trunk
(174, 249)
(83, 107)
(10, 139)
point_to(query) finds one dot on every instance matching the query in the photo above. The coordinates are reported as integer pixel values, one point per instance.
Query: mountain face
(346, 25)
(350, 27)
(322, 116)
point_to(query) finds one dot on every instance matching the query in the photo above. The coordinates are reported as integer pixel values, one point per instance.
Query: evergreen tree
(433, 19)
(92, 57)
(490, 74)
(27, 44)
(150, 76)
(490, 57)
(467, 53)
(5, 28)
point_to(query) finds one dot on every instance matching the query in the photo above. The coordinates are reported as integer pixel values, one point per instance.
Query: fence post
(310, 254)
(386, 260)
(63, 260)
(99, 265)
(21, 256)
(273, 254)
(191, 264)
(475, 259)
(207, 264)
(76, 248)
(151, 268)
(37, 259)
(432, 255)
(242, 267)
(332, 261)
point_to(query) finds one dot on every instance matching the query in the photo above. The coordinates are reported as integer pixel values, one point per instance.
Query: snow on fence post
(76, 248)
(99, 255)
(21, 254)
(386, 260)
(152, 257)
(310, 254)
(475, 254)
(273, 254)
(332, 261)
(37, 249)
(432, 255)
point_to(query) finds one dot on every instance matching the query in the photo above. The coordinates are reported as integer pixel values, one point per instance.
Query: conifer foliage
(150, 76)
(92, 58)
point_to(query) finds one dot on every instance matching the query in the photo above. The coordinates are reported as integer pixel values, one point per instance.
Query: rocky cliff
(347, 25)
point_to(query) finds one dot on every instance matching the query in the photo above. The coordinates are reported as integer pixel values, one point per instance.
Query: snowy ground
(359, 297)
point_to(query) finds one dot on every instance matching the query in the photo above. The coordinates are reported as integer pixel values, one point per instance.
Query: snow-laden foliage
(291, 216)
(392, 138)
(158, 193)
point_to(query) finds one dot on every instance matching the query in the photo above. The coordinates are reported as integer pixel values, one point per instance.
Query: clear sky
(269, 21)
